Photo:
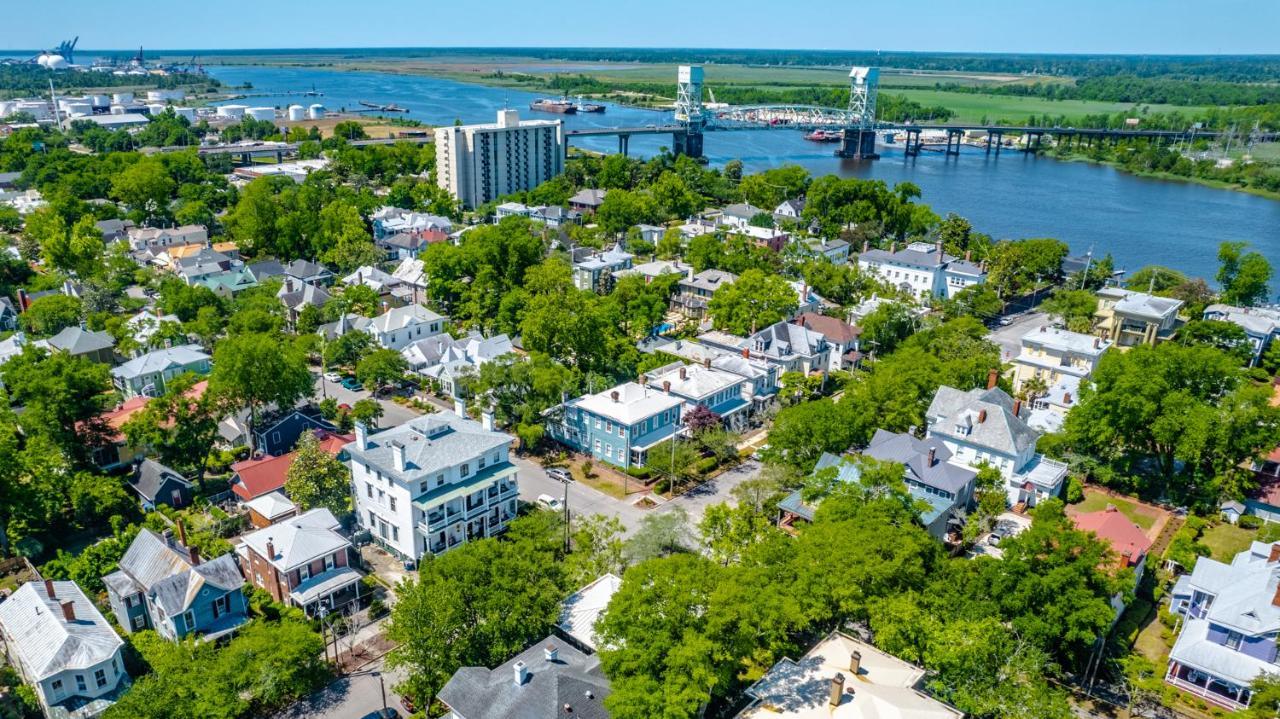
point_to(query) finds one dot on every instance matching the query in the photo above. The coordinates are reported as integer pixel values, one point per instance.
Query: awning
(324, 584)
(442, 494)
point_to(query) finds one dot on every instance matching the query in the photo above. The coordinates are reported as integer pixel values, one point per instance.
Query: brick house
(303, 561)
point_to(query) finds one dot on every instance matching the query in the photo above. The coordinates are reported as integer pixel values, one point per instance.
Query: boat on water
(378, 107)
(588, 106)
(825, 136)
(562, 107)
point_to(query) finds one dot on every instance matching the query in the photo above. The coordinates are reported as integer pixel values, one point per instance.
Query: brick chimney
(1066, 398)
(866, 245)
(1275, 600)
(614, 395)
(53, 594)
(837, 689)
(982, 416)
(666, 386)
(991, 379)
(194, 553)
(967, 254)
(271, 550)
(706, 362)
(1017, 408)
(933, 459)
(893, 247)
(1097, 343)
(1275, 556)
(683, 373)
(69, 610)
(746, 353)
(182, 533)
(855, 660)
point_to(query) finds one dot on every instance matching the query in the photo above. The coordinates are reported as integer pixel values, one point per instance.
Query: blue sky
(1084, 26)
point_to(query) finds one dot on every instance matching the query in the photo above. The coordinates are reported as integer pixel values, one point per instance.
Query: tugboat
(562, 107)
(825, 136)
(588, 106)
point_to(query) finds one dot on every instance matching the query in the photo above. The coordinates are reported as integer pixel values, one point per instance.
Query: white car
(549, 502)
(333, 377)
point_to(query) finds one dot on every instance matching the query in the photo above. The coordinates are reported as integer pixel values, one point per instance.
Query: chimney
(893, 247)
(933, 459)
(182, 533)
(982, 416)
(1275, 556)
(684, 374)
(48, 585)
(486, 420)
(550, 653)
(271, 550)
(362, 435)
(521, 673)
(1017, 408)
(991, 379)
(855, 663)
(397, 455)
(866, 245)
(666, 386)
(1275, 600)
(837, 689)
(938, 246)
(706, 362)
(967, 255)
(1097, 342)
(1044, 328)
(746, 353)
(614, 394)
(643, 380)
(459, 407)
(194, 553)
(69, 610)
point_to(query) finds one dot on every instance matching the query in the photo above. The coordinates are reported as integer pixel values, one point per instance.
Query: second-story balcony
(459, 501)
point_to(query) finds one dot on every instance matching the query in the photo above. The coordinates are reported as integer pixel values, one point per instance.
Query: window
(368, 489)
(372, 519)
(80, 685)
(140, 621)
(329, 561)
(422, 489)
(57, 688)
(392, 500)
(439, 480)
(481, 464)
(221, 606)
(1233, 640)
(100, 678)
(304, 573)
(189, 620)
(466, 470)
(395, 533)
(115, 665)
(608, 427)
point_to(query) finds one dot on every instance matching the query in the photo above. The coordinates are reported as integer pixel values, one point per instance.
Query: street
(1010, 337)
(392, 413)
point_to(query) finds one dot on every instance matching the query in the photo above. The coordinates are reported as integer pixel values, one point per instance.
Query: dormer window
(1233, 640)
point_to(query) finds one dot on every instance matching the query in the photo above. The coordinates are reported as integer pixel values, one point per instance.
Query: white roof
(699, 380)
(580, 612)
(43, 640)
(635, 402)
(400, 317)
(1140, 303)
(1196, 650)
(161, 360)
(271, 505)
(1056, 338)
(884, 687)
(371, 277)
(410, 271)
(299, 539)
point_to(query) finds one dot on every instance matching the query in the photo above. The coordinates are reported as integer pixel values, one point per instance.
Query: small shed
(1232, 510)
(156, 484)
(270, 508)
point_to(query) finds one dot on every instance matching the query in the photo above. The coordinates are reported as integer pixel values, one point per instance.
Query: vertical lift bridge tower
(859, 141)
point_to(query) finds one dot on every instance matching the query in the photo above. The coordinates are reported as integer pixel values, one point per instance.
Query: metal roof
(44, 642)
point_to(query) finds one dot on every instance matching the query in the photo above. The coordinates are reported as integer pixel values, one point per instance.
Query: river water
(1140, 221)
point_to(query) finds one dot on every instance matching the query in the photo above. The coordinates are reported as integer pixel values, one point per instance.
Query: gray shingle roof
(78, 341)
(573, 680)
(999, 429)
(431, 443)
(154, 566)
(151, 476)
(913, 454)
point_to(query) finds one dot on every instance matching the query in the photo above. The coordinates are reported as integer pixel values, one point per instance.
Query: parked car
(996, 535)
(333, 377)
(352, 384)
(549, 502)
(560, 474)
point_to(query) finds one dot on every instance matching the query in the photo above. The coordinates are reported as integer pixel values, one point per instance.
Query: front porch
(333, 589)
(1207, 687)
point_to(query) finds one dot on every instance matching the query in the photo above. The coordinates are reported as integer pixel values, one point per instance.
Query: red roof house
(263, 475)
(1111, 526)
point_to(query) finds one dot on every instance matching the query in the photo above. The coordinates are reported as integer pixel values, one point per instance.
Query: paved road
(1010, 338)
(392, 413)
(350, 697)
(715, 491)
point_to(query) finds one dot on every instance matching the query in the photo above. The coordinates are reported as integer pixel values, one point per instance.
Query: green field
(1227, 540)
(972, 107)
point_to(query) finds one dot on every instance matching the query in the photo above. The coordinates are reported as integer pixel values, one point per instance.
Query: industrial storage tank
(122, 98)
(316, 112)
(187, 112)
(297, 112)
(78, 109)
(234, 112)
(118, 110)
(52, 61)
(262, 113)
(155, 108)
(6, 108)
(103, 101)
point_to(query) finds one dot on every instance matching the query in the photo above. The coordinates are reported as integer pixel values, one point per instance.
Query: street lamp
(323, 611)
(565, 479)
(382, 686)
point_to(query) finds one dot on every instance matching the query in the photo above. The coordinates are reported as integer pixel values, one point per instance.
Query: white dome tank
(266, 114)
(78, 109)
(122, 98)
(316, 112)
(297, 112)
(100, 100)
(187, 112)
(232, 111)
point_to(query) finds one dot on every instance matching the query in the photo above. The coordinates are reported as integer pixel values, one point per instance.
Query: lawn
(1226, 540)
(1096, 501)
(974, 107)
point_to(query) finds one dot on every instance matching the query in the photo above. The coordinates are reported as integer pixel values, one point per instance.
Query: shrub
(1075, 491)
(662, 486)
(640, 472)
(377, 609)
(1249, 521)
(587, 468)
(706, 464)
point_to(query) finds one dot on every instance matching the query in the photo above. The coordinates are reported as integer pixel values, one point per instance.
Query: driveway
(1010, 338)
(713, 491)
(349, 697)
(583, 500)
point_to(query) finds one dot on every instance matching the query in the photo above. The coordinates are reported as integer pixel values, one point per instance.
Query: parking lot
(392, 413)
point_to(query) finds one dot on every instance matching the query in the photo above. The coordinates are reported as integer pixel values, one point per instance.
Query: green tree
(754, 301)
(254, 370)
(1245, 276)
(61, 395)
(381, 368)
(145, 187)
(347, 240)
(317, 479)
(1073, 308)
(51, 314)
(367, 410)
(622, 209)
(180, 426)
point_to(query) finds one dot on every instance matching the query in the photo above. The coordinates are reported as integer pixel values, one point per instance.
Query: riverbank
(1167, 176)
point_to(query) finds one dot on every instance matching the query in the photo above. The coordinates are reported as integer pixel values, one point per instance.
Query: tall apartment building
(479, 163)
